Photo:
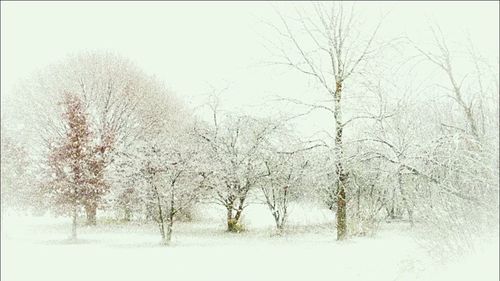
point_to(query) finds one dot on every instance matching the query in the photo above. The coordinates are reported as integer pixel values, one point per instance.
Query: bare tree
(329, 35)
(471, 89)
(234, 144)
(474, 90)
(172, 183)
(284, 181)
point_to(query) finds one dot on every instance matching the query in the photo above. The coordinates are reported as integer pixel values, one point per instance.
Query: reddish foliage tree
(77, 166)
(68, 160)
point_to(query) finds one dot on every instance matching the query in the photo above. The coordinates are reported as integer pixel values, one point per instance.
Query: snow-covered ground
(35, 248)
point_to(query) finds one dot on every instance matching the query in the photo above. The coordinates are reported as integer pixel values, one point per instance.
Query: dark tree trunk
(277, 219)
(341, 210)
(239, 211)
(171, 214)
(341, 174)
(91, 212)
(160, 220)
(235, 203)
(233, 219)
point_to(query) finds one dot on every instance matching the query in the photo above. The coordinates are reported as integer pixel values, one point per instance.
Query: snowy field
(36, 248)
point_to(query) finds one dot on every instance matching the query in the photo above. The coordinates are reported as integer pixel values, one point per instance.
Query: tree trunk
(240, 210)
(231, 221)
(233, 224)
(160, 220)
(170, 225)
(276, 218)
(91, 212)
(238, 215)
(358, 202)
(161, 225)
(127, 214)
(341, 212)
(229, 217)
(403, 196)
(73, 225)
(392, 210)
(280, 226)
(171, 214)
(341, 175)
(280, 220)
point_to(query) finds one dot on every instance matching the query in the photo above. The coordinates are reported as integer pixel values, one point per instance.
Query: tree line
(111, 137)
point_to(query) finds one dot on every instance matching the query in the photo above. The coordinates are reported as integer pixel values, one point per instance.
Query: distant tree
(459, 161)
(16, 191)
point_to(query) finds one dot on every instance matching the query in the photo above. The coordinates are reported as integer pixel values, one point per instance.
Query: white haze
(197, 46)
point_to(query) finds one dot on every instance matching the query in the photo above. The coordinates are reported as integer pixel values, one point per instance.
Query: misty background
(196, 48)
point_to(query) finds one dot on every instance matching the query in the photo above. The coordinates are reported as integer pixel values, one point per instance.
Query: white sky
(193, 45)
